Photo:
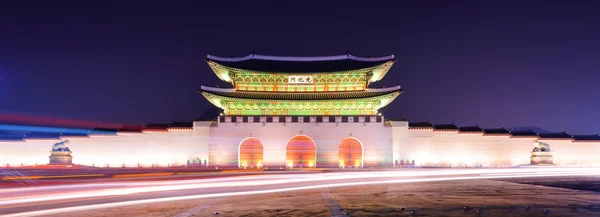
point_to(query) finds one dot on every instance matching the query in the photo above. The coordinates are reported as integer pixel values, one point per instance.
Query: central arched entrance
(301, 151)
(250, 153)
(351, 153)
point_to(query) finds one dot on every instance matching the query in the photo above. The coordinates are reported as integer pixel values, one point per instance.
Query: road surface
(69, 197)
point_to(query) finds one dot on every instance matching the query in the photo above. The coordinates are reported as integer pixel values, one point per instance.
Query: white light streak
(37, 194)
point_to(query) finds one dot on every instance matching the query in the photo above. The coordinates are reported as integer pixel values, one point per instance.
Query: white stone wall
(450, 148)
(375, 138)
(399, 135)
(172, 148)
(382, 145)
(566, 152)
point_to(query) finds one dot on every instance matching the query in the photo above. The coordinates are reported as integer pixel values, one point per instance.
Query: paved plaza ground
(564, 196)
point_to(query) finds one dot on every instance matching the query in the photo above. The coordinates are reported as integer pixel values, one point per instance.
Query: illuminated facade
(297, 112)
(300, 86)
(303, 111)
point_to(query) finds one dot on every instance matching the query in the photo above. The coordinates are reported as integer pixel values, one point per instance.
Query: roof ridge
(300, 59)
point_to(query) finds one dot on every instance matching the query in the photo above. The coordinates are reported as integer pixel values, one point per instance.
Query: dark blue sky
(496, 65)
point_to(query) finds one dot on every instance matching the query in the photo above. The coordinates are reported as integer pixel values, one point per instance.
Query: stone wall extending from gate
(383, 144)
(429, 147)
(146, 149)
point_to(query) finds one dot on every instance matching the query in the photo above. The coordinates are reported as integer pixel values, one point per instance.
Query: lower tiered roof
(232, 93)
(365, 102)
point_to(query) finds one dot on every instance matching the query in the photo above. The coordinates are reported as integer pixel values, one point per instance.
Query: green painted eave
(381, 101)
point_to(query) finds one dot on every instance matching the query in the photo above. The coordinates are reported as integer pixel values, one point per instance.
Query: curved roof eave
(292, 65)
(300, 59)
(293, 96)
(378, 74)
(220, 71)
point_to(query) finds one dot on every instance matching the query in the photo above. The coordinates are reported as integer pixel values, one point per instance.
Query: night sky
(493, 65)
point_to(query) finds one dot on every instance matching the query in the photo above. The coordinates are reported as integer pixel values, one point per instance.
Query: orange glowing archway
(301, 151)
(250, 153)
(351, 153)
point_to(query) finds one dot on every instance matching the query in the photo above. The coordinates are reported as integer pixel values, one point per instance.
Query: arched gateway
(301, 151)
(250, 153)
(351, 153)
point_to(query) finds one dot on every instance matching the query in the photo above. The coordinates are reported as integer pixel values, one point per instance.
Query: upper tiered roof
(226, 68)
(264, 63)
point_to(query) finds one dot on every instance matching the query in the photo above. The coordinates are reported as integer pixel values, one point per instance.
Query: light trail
(287, 176)
(278, 190)
(269, 180)
(121, 184)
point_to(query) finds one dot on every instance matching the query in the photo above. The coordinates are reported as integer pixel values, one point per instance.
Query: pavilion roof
(470, 129)
(426, 124)
(232, 93)
(265, 63)
(523, 133)
(445, 127)
(176, 124)
(595, 137)
(561, 135)
(496, 131)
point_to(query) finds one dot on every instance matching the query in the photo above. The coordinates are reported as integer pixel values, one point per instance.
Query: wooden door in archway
(350, 153)
(250, 153)
(301, 151)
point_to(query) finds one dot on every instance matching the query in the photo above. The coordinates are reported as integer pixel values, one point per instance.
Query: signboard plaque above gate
(300, 79)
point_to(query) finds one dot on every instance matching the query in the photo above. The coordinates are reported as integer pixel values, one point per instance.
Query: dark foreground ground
(564, 196)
